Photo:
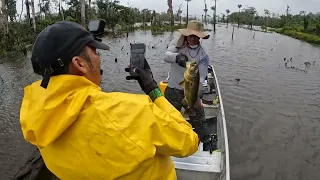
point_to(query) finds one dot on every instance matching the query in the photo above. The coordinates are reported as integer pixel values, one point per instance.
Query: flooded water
(273, 113)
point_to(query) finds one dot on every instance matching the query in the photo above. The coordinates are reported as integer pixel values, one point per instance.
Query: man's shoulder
(121, 98)
(203, 55)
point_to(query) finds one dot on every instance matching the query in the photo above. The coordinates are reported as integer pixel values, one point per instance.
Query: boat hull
(203, 164)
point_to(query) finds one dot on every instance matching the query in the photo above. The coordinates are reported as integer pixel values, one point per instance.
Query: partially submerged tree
(179, 12)
(205, 11)
(267, 13)
(188, 10)
(287, 13)
(227, 11)
(253, 12)
(239, 6)
(213, 8)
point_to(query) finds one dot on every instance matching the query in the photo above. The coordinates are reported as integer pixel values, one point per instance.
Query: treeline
(303, 22)
(20, 31)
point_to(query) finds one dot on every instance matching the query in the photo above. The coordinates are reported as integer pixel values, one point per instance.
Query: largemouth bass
(191, 86)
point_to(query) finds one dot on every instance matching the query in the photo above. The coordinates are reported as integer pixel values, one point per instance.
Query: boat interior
(207, 162)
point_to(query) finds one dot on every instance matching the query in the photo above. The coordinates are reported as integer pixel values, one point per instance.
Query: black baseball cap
(57, 44)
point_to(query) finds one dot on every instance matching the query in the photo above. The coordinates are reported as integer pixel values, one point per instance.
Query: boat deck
(201, 165)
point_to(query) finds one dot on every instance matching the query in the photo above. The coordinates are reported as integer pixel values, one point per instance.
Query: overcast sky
(196, 6)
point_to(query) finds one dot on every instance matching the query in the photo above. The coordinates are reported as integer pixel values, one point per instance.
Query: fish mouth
(193, 66)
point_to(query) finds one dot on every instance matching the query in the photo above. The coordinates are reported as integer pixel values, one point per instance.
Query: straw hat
(194, 28)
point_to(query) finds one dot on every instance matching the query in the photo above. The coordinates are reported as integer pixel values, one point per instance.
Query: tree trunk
(252, 22)
(90, 13)
(33, 17)
(214, 16)
(239, 18)
(205, 17)
(4, 17)
(305, 23)
(227, 21)
(144, 21)
(170, 12)
(187, 12)
(83, 12)
(61, 10)
(28, 13)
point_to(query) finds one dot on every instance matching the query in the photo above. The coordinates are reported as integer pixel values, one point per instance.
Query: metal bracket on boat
(168, 77)
(213, 143)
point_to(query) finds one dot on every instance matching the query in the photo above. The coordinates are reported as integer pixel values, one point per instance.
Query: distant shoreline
(310, 38)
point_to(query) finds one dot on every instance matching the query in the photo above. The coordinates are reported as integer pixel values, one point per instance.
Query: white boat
(208, 164)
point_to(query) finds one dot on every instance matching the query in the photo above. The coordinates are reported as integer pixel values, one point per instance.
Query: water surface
(272, 114)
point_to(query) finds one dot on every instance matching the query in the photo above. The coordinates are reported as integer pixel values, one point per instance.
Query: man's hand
(198, 104)
(181, 59)
(145, 78)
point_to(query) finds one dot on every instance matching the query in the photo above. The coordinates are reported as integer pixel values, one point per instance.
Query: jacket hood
(46, 113)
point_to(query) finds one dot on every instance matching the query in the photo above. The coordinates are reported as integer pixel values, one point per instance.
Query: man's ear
(79, 64)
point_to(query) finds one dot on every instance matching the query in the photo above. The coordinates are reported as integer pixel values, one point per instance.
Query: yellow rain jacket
(84, 133)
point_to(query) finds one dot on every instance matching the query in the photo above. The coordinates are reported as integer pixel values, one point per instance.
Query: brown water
(273, 114)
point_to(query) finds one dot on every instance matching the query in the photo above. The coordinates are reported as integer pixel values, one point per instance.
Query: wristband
(154, 94)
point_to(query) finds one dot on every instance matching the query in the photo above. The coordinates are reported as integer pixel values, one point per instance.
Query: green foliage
(12, 10)
(303, 36)
(298, 34)
(120, 19)
(157, 30)
(19, 36)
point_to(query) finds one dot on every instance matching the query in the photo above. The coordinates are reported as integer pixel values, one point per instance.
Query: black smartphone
(137, 57)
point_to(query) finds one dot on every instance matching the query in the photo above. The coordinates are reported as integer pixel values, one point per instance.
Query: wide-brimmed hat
(194, 28)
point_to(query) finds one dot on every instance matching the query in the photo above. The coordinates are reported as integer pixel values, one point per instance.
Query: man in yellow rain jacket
(84, 133)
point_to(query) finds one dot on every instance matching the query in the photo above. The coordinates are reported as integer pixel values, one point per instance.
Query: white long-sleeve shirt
(176, 72)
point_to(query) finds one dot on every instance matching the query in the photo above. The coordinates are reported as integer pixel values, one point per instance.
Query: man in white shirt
(188, 48)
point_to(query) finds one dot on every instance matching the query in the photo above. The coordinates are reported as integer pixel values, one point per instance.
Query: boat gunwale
(226, 143)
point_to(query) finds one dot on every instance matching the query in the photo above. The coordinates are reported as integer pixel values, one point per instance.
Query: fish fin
(181, 83)
(184, 103)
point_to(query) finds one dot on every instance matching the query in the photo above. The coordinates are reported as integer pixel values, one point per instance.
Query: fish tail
(190, 112)
(187, 111)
